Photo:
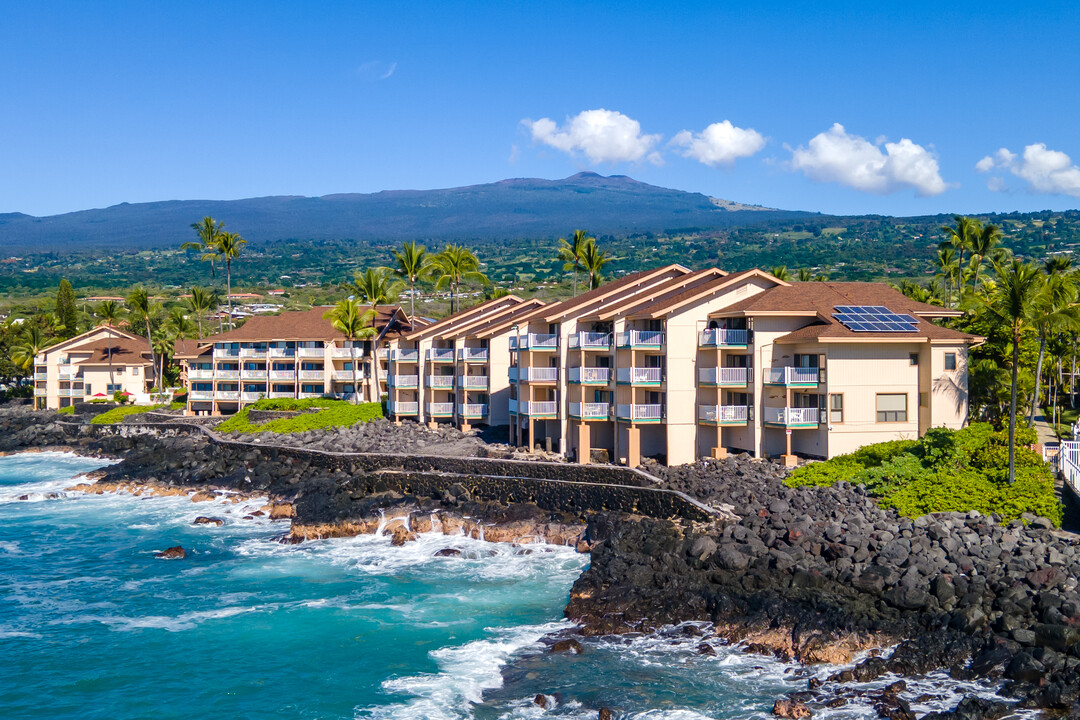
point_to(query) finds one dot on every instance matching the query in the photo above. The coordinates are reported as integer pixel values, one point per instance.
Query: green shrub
(879, 453)
(331, 413)
(117, 414)
(69, 410)
(895, 473)
(824, 474)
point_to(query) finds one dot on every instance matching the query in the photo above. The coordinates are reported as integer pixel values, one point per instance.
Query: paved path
(1045, 430)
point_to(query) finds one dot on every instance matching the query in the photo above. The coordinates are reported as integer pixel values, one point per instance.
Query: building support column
(633, 446)
(584, 446)
(789, 459)
(719, 452)
(532, 436)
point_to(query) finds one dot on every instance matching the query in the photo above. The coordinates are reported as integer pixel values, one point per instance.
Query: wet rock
(203, 520)
(447, 552)
(706, 649)
(541, 701)
(203, 496)
(281, 511)
(173, 553)
(569, 645)
(787, 708)
(400, 536)
(604, 714)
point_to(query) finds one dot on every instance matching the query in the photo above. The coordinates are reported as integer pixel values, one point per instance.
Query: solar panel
(874, 318)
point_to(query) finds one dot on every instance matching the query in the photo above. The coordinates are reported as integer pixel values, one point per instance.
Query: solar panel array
(874, 318)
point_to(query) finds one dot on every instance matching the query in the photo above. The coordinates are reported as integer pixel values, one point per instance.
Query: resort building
(291, 355)
(97, 364)
(677, 365)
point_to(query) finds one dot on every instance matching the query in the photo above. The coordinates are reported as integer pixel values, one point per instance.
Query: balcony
(440, 382)
(405, 355)
(534, 341)
(278, 394)
(542, 409)
(590, 411)
(282, 352)
(641, 339)
(404, 408)
(252, 353)
(253, 374)
(347, 352)
(724, 376)
(405, 381)
(723, 337)
(473, 354)
(64, 392)
(226, 352)
(40, 392)
(253, 396)
(473, 382)
(194, 395)
(640, 413)
(439, 409)
(312, 374)
(227, 375)
(282, 374)
(307, 352)
(791, 417)
(231, 395)
(723, 414)
(590, 375)
(200, 374)
(589, 341)
(472, 411)
(68, 373)
(40, 375)
(440, 355)
(347, 375)
(534, 374)
(382, 353)
(792, 376)
(640, 376)
(309, 395)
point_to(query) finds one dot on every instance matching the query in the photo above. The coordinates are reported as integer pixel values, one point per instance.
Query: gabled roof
(307, 325)
(626, 285)
(114, 351)
(84, 337)
(187, 349)
(673, 300)
(521, 314)
(463, 317)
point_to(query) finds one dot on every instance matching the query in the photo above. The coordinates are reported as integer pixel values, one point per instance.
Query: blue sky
(846, 107)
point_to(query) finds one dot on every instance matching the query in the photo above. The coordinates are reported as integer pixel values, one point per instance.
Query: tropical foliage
(316, 414)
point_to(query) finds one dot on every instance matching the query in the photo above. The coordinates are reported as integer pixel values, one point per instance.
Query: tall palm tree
(32, 340)
(985, 246)
(208, 230)
(374, 287)
(201, 302)
(162, 349)
(961, 238)
(947, 269)
(1013, 301)
(180, 325)
(805, 275)
(1055, 312)
(570, 253)
(457, 265)
(350, 319)
(780, 272)
(593, 260)
(228, 246)
(140, 304)
(108, 311)
(412, 263)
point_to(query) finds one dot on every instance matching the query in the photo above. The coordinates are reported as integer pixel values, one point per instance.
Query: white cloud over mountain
(838, 156)
(1045, 171)
(603, 136)
(719, 144)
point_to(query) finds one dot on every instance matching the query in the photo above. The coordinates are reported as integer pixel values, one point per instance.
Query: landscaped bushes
(117, 414)
(946, 471)
(330, 413)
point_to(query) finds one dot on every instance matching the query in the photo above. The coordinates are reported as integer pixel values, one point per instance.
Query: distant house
(100, 362)
(104, 298)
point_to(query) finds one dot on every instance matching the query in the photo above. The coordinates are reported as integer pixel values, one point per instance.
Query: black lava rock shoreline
(814, 574)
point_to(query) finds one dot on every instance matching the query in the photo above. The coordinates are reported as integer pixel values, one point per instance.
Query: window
(924, 400)
(836, 408)
(892, 408)
(113, 388)
(134, 371)
(914, 358)
(950, 361)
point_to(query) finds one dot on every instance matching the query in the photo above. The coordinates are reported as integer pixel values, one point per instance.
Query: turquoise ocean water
(93, 626)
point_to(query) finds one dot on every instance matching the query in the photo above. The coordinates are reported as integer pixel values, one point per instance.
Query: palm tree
(456, 265)
(570, 253)
(961, 238)
(805, 275)
(947, 269)
(228, 246)
(1013, 302)
(208, 230)
(108, 311)
(1055, 311)
(412, 264)
(374, 287)
(179, 323)
(139, 302)
(201, 302)
(780, 272)
(162, 348)
(985, 245)
(32, 341)
(350, 319)
(593, 260)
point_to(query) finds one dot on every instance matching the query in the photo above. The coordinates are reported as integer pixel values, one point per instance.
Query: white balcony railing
(590, 411)
(381, 353)
(404, 408)
(719, 337)
(200, 374)
(347, 352)
(440, 381)
(445, 409)
(635, 413)
(473, 382)
(68, 372)
(282, 374)
(640, 375)
(722, 376)
(641, 338)
(721, 414)
(404, 381)
(473, 354)
(534, 374)
(309, 395)
(227, 395)
(472, 410)
(64, 392)
(40, 392)
(790, 416)
(590, 375)
(41, 375)
(281, 394)
(252, 352)
(791, 376)
(345, 375)
(312, 374)
(282, 352)
(227, 375)
(590, 341)
(405, 355)
(253, 374)
(534, 341)
(226, 352)
(253, 396)
(534, 408)
(440, 355)
(200, 395)
(316, 352)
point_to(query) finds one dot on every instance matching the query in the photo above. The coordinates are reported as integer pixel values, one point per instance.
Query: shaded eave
(580, 306)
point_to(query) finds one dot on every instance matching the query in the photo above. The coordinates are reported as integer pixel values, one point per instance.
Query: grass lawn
(331, 413)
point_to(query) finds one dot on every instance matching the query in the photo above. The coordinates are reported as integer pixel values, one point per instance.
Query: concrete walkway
(1045, 430)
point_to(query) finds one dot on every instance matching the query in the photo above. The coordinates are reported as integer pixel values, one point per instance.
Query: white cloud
(376, 70)
(604, 136)
(836, 156)
(719, 144)
(1045, 171)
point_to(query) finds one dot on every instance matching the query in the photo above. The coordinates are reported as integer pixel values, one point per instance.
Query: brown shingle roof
(468, 315)
(625, 283)
(302, 325)
(118, 351)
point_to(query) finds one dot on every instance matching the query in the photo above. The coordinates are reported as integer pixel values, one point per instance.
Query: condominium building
(291, 355)
(99, 363)
(678, 365)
